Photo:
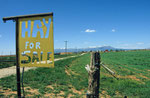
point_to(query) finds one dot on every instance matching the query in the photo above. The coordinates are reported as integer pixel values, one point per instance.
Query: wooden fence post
(94, 76)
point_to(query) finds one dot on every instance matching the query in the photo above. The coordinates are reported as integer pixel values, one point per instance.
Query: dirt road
(12, 70)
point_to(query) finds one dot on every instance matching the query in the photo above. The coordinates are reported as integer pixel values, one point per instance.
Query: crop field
(65, 80)
(70, 79)
(8, 61)
(132, 68)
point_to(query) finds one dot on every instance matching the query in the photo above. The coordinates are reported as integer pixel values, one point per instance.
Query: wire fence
(7, 60)
(8, 89)
(40, 77)
(8, 84)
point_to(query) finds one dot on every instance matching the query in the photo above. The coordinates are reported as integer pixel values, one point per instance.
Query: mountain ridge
(102, 48)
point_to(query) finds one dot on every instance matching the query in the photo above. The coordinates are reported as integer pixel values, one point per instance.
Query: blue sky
(84, 23)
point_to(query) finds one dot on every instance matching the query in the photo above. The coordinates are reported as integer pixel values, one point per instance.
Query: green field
(66, 79)
(8, 61)
(133, 70)
(70, 79)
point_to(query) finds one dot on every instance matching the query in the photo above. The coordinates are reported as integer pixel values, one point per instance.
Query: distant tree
(117, 50)
(83, 52)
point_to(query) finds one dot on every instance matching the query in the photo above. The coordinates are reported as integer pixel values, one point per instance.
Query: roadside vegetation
(8, 61)
(70, 79)
(67, 79)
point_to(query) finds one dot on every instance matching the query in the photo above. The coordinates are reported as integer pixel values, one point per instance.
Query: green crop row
(70, 79)
(66, 76)
(132, 69)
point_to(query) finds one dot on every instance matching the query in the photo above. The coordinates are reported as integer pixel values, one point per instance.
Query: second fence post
(94, 76)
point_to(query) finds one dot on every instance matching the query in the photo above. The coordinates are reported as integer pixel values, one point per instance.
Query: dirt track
(12, 70)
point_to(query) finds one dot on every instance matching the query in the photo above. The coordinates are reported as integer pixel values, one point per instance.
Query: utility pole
(76, 50)
(66, 47)
(2, 53)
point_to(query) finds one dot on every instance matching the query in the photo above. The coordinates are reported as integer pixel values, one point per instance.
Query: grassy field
(133, 70)
(70, 79)
(65, 80)
(8, 61)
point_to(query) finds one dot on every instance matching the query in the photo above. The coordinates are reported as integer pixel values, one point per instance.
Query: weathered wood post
(94, 76)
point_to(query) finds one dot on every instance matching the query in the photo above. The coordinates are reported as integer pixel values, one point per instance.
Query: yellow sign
(36, 47)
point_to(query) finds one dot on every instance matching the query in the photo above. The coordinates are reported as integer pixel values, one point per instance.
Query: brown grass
(69, 71)
(8, 92)
(144, 76)
(104, 94)
(76, 91)
(129, 77)
(32, 91)
(50, 86)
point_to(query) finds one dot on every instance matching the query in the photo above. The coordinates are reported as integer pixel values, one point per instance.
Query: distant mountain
(103, 48)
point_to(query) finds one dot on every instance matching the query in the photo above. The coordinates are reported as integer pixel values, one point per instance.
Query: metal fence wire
(33, 84)
(8, 84)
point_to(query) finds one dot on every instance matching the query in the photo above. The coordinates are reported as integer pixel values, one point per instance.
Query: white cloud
(113, 30)
(139, 43)
(89, 30)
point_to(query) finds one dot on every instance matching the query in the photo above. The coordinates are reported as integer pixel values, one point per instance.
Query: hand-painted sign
(36, 42)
